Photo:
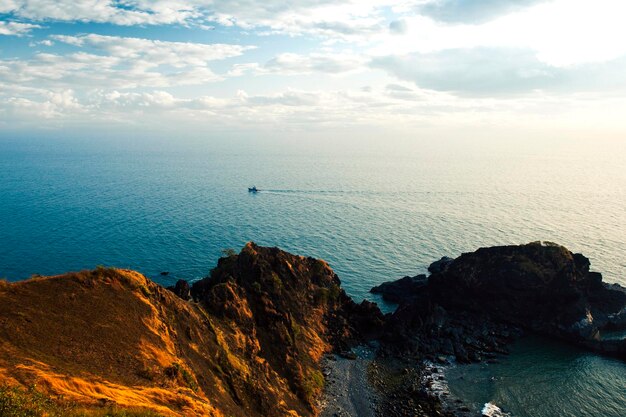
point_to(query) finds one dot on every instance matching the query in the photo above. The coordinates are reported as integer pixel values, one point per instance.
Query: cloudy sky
(203, 67)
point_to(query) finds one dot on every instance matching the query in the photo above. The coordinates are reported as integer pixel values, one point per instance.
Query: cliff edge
(249, 339)
(247, 342)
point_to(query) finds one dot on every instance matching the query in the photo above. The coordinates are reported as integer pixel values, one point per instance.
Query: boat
(252, 189)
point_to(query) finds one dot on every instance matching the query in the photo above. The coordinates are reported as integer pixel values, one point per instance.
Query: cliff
(109, 339)
(472, 306)
(248, 340)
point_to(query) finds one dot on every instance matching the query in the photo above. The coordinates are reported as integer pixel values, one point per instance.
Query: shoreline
(348, 391)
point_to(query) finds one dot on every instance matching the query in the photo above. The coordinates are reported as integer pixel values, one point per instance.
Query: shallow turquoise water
(375, 212)
(544, 378)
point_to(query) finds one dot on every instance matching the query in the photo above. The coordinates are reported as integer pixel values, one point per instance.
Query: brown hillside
(249, 346)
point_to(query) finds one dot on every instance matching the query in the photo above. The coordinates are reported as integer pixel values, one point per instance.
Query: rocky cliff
(248, 340)
(473, 305)
(245, 341)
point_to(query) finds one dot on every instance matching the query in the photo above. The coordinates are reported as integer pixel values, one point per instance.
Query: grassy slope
(110, 339)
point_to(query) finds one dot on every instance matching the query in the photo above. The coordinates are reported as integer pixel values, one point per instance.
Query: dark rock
(540, 286)
(479, 302)
(348, 354)
(292, 305)
(440, 266)
(181, 289)
(400, 290)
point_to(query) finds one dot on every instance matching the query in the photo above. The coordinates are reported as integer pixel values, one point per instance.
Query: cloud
(390, 108)
(326, 18)
(45, 42)
(398, 27)
(133, 101)
(45, 104)
(157, 52)
(132, 12)
(16, 28)
(315, 62)
(296, 64)
(421, 61)
(287, 98)
(119, 62)
(471, 11)
(499, 71)
(471, 71)
(335, 21)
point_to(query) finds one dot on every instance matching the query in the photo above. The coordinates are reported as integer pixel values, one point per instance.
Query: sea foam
(492, 410)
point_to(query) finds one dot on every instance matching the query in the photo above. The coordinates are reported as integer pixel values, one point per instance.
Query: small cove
(544, 378)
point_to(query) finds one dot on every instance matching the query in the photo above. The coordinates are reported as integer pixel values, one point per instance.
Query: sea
(376, 210)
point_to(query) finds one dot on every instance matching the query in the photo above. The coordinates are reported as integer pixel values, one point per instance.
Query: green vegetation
(105, 271)
(324, 296)
(176, 369)
(313, 385)
(17, 402)
(145, 291)
(321, 296)
(109, 273)
(296, 330)
(189, 379)
(228, 252)
(20, 402)
(335, 290)
(276, 282)
(318, 268)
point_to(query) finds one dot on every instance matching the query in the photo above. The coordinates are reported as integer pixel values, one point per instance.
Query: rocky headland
(268, 333)
(472, 306)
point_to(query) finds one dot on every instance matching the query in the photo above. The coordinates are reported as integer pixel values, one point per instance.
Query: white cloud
(132, 100)
(130, 12)
(421, 61)
(177, 54)
(288, 98)
(296, 64)
(45, 104)
(398, 27)
(16, 28)
(119, 62)
(560, 32)
(321, 17)
(500, 71)
(391, 107)
(470, 11)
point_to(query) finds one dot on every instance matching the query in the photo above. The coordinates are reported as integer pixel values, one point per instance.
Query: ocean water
(544, 378)
(374, 211)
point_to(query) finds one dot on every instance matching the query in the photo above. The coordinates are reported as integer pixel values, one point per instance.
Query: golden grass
(31, 402)
(93, 391)
(86, 338)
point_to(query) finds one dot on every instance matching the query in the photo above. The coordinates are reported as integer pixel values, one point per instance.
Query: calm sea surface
(375, 213)
(545, 378)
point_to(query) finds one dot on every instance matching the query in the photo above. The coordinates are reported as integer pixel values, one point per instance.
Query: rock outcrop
(290, 310)
(245, 341)
(398, 291)
(472, 305)
(248, 339)
(181, 289)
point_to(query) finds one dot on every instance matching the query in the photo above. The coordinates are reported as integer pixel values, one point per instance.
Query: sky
(201, 68)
